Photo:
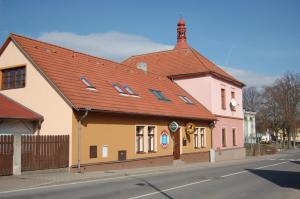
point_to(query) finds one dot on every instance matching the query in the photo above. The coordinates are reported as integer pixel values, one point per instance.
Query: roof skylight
(129, 90)
(88, 84)
(124, 89)
(185, 99)
(159, 95)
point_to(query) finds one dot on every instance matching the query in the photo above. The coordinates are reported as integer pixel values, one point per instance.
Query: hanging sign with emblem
(173, 126)
(190, 128)
(164, 139)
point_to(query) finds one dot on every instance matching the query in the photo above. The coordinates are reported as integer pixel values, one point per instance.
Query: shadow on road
(296, 162)
(287, 179)
(154, 187)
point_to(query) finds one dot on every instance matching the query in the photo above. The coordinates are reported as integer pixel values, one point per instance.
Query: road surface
(267, 178)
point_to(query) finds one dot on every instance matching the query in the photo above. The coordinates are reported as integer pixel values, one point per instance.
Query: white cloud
(111, 45)
(251, 78)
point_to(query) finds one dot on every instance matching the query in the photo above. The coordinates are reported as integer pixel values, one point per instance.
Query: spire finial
(181, 34)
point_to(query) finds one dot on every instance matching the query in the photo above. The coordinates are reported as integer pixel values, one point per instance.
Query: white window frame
(140, 142)
(202, 133)
(145, 138)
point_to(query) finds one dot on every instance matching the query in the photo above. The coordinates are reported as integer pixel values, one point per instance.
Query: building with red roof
(115, 115)
(209, 84)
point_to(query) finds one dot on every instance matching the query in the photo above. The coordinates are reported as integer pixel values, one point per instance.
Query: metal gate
(6, 154)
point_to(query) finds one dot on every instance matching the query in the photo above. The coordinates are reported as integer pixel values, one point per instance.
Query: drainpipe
(79, 137)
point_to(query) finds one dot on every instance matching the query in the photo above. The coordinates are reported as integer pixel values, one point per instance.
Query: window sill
(140, 152)
(152, 152)
(3, 89)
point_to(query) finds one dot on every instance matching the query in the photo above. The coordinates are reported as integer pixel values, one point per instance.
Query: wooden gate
(6, 154)
(44, 152)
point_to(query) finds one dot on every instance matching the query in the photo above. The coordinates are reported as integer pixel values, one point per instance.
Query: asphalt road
(269, 178)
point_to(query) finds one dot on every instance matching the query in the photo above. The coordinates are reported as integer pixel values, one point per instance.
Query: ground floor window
(151, 138)
(223, 137)
(233, 137)
(202, 137)
(196, 138)
(140, 139)
(199, 138)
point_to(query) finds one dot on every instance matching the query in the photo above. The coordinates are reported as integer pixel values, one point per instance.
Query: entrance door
(176, 150)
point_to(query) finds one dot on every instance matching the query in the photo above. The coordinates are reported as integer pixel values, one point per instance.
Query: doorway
(176, 150)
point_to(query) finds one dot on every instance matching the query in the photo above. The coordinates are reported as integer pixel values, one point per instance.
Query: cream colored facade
(38, 95)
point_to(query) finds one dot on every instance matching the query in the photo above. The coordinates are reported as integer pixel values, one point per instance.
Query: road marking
(271, 165)
(170, 189)
(120, 177)
(232, 174)
(76, 183)
(193, 183)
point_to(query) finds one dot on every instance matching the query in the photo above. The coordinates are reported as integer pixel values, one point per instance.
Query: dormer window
(88, 84)
(159, 95)
(185, 99)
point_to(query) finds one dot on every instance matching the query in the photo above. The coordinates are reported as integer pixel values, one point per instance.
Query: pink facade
(207, 90)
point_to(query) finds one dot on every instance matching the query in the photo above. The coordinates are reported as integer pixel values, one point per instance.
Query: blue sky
(257, 39)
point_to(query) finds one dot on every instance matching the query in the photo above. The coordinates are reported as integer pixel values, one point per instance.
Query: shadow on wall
(286, 179)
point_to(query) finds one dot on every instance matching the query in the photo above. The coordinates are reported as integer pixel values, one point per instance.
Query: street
(263, 178)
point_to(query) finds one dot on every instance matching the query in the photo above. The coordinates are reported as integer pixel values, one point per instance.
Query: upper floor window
(159, 95)
(13, 78)
(223, 98)
(232, 95)
(185, 99)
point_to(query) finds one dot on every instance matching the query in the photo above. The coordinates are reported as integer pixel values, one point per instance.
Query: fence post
(17, 155)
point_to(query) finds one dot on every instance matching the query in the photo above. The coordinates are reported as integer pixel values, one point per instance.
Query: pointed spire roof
(181, 35)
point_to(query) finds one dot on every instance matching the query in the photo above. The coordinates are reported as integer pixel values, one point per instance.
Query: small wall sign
(173, 126)
(164, 139)
(190, 128)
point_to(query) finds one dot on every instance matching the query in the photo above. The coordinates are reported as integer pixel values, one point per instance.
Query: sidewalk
(62, 176)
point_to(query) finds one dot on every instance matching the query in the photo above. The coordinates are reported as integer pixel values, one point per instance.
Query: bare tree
(288, 98)
(270, 112)
(251, 99)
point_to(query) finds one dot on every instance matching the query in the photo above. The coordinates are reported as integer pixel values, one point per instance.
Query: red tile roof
(10, 109)
(178, 63)
(63, 68)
